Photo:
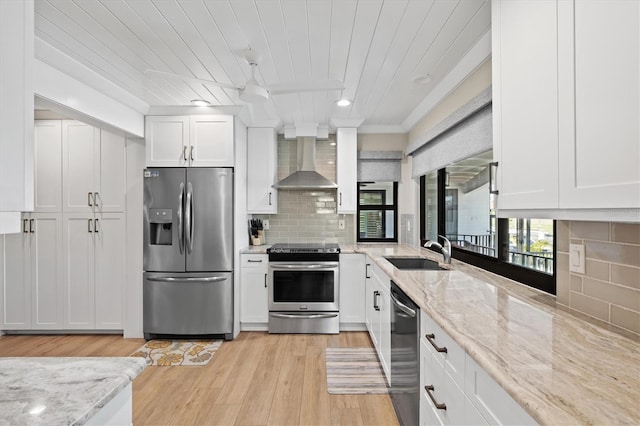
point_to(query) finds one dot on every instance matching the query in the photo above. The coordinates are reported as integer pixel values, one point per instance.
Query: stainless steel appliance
(405, 355)
(188, 252)
(304, 288)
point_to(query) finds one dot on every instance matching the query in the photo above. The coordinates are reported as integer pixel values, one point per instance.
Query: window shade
(379, 166)
(467, 132)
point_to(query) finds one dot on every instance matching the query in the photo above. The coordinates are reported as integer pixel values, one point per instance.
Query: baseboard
(353, 326)
(254, 326)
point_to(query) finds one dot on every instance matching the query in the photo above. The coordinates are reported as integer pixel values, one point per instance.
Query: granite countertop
(255, 249)
(562, 368)
(61, 391)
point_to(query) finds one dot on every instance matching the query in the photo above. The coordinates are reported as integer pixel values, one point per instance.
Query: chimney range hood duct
(306, 177)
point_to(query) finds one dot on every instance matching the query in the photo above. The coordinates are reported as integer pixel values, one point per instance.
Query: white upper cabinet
(262, 170)
(347, 169)
(16, 106)
(566, 108)
(599, 73)
(525, 98)
(189, 141)
(93, 166)
(48, 162)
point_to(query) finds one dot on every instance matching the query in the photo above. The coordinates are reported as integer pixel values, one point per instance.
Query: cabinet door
(600, 104)
(15, 277)
(110, 174)
(80, 159)
(78, 261)
(385, 331)
(211, 141)
(371, 314)
(525, 103)
(347, 169)
(109, 239)
(352, 283)
(262, 170)
(46, 271)
(167, 141)
(16, 104)
(48, 166)
(253, 288)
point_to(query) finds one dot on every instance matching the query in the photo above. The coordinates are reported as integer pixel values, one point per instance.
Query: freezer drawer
(190, 304)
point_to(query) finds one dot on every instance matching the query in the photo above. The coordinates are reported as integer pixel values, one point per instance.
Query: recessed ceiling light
(200, 102)
(343, 102)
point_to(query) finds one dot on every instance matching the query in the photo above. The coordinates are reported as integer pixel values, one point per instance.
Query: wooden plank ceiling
(376, 48)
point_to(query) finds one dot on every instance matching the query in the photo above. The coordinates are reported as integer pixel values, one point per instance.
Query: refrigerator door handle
(189, 218)
(197, 279)
(180, 214)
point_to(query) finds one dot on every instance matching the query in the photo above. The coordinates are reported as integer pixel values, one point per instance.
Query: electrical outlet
(341, 224)
(265, 224)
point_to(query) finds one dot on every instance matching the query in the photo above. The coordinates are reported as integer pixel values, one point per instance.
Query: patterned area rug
(354, 371)
(178, 352)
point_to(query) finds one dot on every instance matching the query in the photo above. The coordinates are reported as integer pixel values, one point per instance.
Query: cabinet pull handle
(184, 153)
(24, 225)
(375, 300)
(265, 280)
(269, 198)
(430, 338)
(31, 230)
(341, 198)
(191, 154)
(90, 199)
(89, 226)
(95, 226)
(429, 389)
(254, 261)
(96, 196)
(366, 270)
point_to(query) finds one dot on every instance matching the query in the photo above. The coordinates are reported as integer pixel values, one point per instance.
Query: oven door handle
(303, 316)
(305, 266)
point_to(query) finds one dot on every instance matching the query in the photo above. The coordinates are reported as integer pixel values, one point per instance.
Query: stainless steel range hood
(306, 177)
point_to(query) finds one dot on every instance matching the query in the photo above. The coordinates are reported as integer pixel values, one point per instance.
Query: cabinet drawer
(444, 390)
(453, 359)
(254, 261)
(491, 400)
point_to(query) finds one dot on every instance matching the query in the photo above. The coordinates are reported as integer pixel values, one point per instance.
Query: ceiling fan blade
(192, 79)
(305, 86)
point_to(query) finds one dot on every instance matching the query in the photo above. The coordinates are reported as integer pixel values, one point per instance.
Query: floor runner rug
(178, 352)
(354, 371)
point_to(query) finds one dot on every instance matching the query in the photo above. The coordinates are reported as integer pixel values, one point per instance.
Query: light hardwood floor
(256, 379)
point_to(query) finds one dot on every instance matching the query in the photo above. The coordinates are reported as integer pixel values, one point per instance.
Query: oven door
(303, 286)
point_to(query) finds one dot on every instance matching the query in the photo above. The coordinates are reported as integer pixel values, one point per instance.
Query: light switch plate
(265, 224)
(576, 258)
(341, 224)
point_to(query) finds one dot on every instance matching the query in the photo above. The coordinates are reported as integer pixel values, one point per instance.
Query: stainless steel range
(304, 288)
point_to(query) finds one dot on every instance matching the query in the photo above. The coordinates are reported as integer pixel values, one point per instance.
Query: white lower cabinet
(455, 390)
(94, 271)
(352, 288)
(30, 274)
(378, 314)
(254, 269)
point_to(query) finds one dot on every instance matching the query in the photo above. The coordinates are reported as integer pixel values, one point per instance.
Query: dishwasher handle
(404, 308)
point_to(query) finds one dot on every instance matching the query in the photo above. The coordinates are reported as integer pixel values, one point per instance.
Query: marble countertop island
(560, 367)
(61, 391)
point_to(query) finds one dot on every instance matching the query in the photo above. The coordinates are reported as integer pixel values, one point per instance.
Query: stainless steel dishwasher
(405, 364)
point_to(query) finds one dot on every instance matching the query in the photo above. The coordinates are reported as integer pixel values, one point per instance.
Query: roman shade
(379, 166)
(466, 132)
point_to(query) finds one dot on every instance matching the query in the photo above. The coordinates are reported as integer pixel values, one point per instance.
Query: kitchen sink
(415, 263)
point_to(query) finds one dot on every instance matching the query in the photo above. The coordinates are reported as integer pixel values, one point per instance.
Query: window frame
(498, 265)
(369, 207)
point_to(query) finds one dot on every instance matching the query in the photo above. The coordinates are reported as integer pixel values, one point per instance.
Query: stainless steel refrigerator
(188, 252)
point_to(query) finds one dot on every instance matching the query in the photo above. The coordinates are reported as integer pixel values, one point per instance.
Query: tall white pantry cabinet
(66, 270)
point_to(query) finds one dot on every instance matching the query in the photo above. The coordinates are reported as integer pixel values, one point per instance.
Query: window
(377, 211)
(521, 249)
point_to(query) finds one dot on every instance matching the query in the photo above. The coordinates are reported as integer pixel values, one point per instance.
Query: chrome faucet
(446, 250)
